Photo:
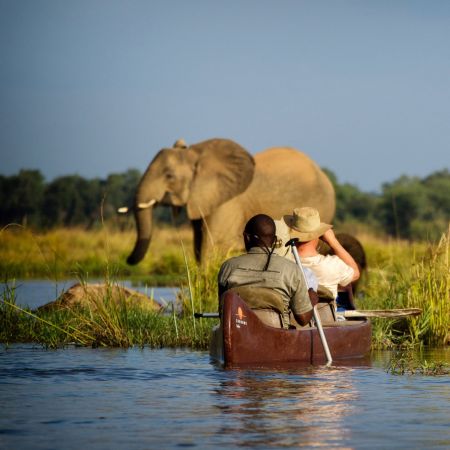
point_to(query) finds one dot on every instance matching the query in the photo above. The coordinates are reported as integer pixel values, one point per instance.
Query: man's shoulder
(282, 261)
(231, 261)
(236, 260)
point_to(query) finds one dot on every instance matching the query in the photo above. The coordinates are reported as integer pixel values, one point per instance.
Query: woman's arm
(330, 238)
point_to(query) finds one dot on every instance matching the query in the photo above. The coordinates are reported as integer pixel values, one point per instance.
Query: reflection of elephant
(222, 186)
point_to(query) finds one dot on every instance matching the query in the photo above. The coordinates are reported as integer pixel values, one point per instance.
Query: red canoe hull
(243, 340)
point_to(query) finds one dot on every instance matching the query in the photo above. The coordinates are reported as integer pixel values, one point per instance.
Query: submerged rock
(96, 295)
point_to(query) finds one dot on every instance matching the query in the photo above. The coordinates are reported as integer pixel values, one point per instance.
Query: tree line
(409, 207)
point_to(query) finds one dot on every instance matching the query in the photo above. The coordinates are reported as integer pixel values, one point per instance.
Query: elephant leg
(222, 231)
(197, 228)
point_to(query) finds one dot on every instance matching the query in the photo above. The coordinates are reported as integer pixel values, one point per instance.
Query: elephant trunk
(144, 220)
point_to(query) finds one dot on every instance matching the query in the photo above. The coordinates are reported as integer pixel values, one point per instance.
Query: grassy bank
(407, 275)
(401, 275)
(106, 322)
(118, 323)
(70, 253)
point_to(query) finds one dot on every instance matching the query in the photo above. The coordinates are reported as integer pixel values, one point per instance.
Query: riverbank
(65, 253)
(400, 275)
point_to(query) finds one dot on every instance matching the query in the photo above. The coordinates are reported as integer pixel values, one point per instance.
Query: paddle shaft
(385, 313)
(291, 243)
(210, 315)
(382, 313)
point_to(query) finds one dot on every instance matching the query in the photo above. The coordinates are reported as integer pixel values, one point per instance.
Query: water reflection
(302, 408)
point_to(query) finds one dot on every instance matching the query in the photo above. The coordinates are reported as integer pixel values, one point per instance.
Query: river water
(76, 398)
(150, 399)
(34, 293)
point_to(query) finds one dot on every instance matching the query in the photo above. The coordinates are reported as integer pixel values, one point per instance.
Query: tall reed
(401, 275)
(418, 276)
(103, 321)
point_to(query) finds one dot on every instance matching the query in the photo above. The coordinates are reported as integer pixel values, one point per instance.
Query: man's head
(259, 232)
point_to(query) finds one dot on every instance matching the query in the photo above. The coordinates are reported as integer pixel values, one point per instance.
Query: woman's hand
(329, 237)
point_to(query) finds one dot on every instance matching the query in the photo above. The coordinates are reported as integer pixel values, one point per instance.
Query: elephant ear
(223, 170)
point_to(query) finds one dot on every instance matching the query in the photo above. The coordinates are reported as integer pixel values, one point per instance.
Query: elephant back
(295, 180)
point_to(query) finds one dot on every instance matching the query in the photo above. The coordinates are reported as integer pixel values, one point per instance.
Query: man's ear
(246, 240)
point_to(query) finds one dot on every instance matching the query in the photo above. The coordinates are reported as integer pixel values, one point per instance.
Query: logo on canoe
(240, 318)
(240, 313)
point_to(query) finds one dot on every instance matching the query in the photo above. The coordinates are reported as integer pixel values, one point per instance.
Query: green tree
(403, 201)
(21, 197)
(72, 200)
(351, 203)
(435, 216)
(119, 190)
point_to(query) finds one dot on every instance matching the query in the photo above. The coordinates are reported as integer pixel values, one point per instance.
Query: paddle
(385, 313)
(210, 315)
(291, 243)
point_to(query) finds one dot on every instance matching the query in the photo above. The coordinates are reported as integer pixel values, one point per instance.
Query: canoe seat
(325, 308)
(265, 303)
(324, 292)
(326, 311)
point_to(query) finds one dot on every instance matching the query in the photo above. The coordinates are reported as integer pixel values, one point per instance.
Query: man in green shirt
(262, 268)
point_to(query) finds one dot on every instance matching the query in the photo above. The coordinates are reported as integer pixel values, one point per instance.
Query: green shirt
(282, 275)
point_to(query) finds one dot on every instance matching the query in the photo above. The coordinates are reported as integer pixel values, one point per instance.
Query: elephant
(222, 186)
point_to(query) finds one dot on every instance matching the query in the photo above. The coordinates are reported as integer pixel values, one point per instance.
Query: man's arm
(303, 300)
(222, 284)
(305, 318)
(221, 289)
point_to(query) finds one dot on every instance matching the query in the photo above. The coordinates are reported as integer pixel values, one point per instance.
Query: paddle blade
(386, 313)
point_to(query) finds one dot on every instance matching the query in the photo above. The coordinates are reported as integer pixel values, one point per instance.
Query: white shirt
(329, 270)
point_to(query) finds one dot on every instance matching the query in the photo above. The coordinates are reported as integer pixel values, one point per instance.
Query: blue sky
(94, 87)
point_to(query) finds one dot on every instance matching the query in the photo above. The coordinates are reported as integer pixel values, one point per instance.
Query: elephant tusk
(147, 204)
(125, 209)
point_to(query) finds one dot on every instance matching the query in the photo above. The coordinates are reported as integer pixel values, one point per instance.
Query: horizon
(103, 178)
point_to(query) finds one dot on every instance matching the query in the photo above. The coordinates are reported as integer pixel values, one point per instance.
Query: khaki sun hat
(305, 224)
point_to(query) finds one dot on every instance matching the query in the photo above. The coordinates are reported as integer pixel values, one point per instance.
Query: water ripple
(141, 398)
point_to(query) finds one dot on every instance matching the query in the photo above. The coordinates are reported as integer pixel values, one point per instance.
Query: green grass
(107, 324)
(401, 275)
(407, 361)
(72, 252)
(410, 276)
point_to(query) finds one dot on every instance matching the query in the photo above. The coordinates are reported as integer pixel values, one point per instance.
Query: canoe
(242, 340)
